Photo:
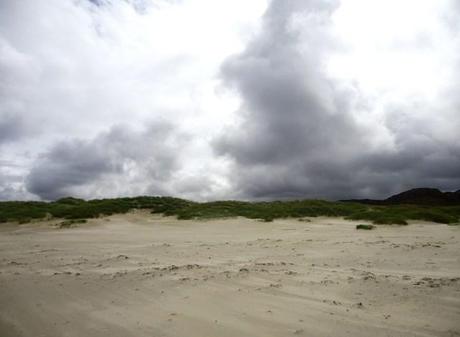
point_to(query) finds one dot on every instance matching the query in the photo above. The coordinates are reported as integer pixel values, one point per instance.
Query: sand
(144, 275)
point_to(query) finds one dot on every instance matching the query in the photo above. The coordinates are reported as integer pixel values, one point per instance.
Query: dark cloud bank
(299, 137)
(121, 160)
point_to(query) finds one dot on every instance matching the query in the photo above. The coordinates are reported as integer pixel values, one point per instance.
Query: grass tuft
(366, 227)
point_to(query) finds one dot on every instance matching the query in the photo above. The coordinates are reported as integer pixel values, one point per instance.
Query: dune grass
(268, 210)
(365, 227)
(400, 214)
(73, 208)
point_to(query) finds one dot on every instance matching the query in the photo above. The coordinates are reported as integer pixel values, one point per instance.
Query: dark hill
(417, 196)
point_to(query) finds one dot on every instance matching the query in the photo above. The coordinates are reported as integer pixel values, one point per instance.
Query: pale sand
(144, 275)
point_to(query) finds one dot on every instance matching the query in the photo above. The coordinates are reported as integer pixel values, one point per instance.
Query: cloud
(121, 159)
(152, 160)
(12, 182)
(71, 70)
(11, 127)
(307, 133)
(317, 106)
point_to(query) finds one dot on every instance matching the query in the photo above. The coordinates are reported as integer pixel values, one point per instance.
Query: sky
(214, 99)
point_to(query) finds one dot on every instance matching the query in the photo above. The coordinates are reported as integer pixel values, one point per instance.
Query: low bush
(366, 227)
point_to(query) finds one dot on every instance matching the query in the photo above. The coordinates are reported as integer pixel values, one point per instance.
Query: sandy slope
(138, 275)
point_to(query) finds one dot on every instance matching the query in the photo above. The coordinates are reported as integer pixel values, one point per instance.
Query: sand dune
(139, 275)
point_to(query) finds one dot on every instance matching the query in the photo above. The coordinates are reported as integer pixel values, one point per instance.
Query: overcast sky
(214, 99)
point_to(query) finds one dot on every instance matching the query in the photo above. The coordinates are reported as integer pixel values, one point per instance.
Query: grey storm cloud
(299, 136)
(144, 159)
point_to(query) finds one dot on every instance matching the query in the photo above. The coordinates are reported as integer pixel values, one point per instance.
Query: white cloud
(72, 69)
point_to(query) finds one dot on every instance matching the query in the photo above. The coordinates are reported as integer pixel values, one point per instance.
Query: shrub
(366, 227)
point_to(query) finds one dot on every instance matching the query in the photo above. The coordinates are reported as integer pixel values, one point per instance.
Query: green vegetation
(69, 223)
(366, 227)
(399, 214)
(268, 211)
(73, 209)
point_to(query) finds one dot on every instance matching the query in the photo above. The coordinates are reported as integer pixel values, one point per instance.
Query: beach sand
(145, 275)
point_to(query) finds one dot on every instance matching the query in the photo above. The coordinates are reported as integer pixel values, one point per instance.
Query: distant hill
(416, 196)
